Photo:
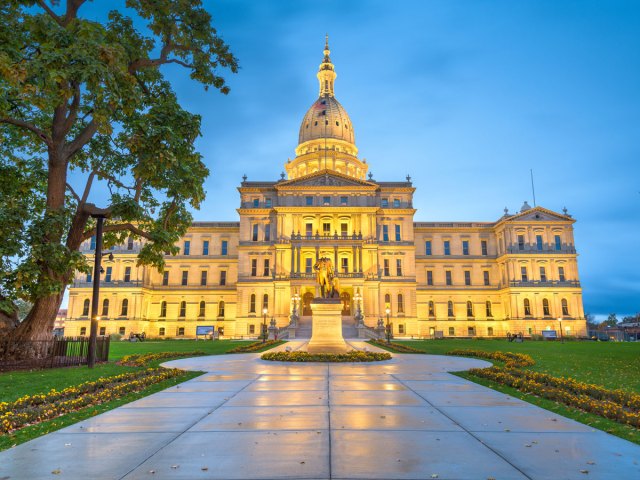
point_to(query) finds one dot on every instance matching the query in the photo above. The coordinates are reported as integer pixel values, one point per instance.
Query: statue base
(326, 327)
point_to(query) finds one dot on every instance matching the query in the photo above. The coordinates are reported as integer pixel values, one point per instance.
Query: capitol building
(515, 274)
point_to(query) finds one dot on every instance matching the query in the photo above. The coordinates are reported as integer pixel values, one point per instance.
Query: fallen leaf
(584, 471)
(204, 469)
(57, 471)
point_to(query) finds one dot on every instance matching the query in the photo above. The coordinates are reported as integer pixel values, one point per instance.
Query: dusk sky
(465, 96)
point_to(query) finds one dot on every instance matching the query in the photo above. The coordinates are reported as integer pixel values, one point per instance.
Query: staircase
(349, 329)
(304, 328)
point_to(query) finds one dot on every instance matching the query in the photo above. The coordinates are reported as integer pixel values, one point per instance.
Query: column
(354, 266)
(360, 259)
(299, 248)
(335, 259)
(292, 260)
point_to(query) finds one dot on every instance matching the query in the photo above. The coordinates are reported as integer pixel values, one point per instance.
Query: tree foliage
(89, 98)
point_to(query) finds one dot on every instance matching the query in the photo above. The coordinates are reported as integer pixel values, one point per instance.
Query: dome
(326, 118)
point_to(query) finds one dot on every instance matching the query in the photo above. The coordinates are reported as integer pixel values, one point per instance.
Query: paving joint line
(329, 419)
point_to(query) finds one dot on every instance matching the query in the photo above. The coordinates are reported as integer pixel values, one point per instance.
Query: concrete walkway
(250, 419)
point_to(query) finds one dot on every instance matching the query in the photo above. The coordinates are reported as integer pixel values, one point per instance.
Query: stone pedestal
(326, 329)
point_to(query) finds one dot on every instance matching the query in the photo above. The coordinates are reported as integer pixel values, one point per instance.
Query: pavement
(406, 418)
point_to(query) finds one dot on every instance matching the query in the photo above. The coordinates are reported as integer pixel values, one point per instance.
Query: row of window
(224, 247)
(524, 274)
(108, 275)
(396, 231)
(182, 312)
(326, 201)
(386, 270)
(448, 277)
(446, 247)
(124, 307)
(451, 313)
(92, 243)
(540, 243)
(204, 277)
(546, 309)
(399, 305)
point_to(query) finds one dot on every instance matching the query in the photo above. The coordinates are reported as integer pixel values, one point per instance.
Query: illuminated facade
(517, 274)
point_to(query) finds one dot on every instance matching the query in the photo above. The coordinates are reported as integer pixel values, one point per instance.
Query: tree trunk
(38, 324)
(8, 322)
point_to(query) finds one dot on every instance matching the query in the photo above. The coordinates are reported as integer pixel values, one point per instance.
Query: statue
(325, 277)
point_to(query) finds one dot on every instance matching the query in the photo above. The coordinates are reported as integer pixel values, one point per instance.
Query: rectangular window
(308, 265)
(267, 203)
(523, 274)
(398, 237)
(539, 242)
(187, 247)
(483, 244)
(185, 277)
(265, 270)
(205, 247)
(89, 277)
(344, 229)
(471, 331)
(398, 267)
(224, 249)
(254, 267)
(256, 202)
(384, 203)
(254, 233)
(429, 277)
(558, 242)
(326, 228)
(252, 329)
(467, 277)
(267, 232)
(465, 247)
(92, 243)
(129, 243)
(180, 331)
(121, 330)
(203, 278)
(447, 247)
(326, 200)
(127, 274)
(308, 201)
(107, 277)
(452, 331)
(344, 200)
(447, 275)
(344, 263)
(401, 329)
(485, 274)
(161, 332)
(396, 203)
(223, 277)
(520, 242)
(386, 267)
(561, 276)
(103, 331)
(385, 233)
(427, 247)
(543, 274)
(308, 229)
(165, 278)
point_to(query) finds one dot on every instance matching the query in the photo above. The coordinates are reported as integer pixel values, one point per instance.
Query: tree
(611, 321)
(591, 321)
(81, 96)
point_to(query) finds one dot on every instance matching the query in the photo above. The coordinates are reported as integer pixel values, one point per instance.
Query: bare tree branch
(52, 14)
(82, 138)
(117, 227)
(73, 192)
(28, 126)
(73, 108)
(87, 188)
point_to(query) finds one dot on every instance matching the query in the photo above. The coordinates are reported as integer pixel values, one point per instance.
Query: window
(429, 277)
(523, 274)
(539, 242)
(427, 247)
(105, 307)
(490, 331)
(308, 265)
(483, 245)
(471, 331)
(85, 308)
(103, 331)
(396, 203)
(127, 274)
(265, 271)
(254, 233)
(543, 274)
(252, 329)
(163, 309)
(267, 203)
(203, 277)
(432, 311)
(326, 200)
(384, 203)
(398, 267)
(400, 303)
(447, 247)
(565, 307)
(92, 243)
(83, 331)
(254, 267)
(223, 277)
(124, 311)
(165, 278)
(469, 309)
(447, 276)
(187, 247)
(121, 330)
(107, 277)
(267, 232)
(465, 247)
(224, 248)
(386, 267)
(488, 309)
(265, 302)
(180, 331)
(183, 309)
(385, 233)
(221, 308)
(344, 263)
(308, 201)
(561, 276)
(450, 308)
(185, 277)
(398, 237)
(452, 331)
(545, 307)
(485, 275)
(205, 247)
(161, 332)
(344, 229)
(527, 307)
(326, 228)
(308, 229)
(387, 301)
(520, 242)
(201, 309)
(129, 243)
(558, 242)
(467, 277)
(89, 277)
(252, 303)
(344, 200)
(256, 202)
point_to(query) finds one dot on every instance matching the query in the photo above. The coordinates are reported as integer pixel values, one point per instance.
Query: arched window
(125, 308)
(488, 309)
(221, 308)
(183, 309)
(201, 309)
(85, 308)
(432, 310)
(450, 308)
(527, 307)
(545, 307)
(105, 307)
(565, 307)
(469, 309)
(252, 303)
(400, 303)
(265, 301)
(163, 309)
(387, 301)
(490, 331)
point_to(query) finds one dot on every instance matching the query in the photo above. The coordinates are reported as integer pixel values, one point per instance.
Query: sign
(549, 334)
(204, 330)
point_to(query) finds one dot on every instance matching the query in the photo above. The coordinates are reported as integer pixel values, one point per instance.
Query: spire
(326, 72)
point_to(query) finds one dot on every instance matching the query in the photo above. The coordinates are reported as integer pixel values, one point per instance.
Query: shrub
(353, 356)
(255, 346)
(140, 359)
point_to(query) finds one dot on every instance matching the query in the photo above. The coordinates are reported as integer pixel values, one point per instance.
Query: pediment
(539, 214)
(326, 178)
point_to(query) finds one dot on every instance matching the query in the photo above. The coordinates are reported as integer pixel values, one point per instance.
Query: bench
(137, 337)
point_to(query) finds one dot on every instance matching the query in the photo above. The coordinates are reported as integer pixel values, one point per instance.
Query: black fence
(57, 352)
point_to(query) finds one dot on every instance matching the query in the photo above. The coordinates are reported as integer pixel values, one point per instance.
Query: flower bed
(142, 359)
(510, 359)
(32, 409)
(254, 347)
(354, 356)
(395, 346)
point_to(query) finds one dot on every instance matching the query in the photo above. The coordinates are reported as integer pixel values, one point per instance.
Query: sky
(465, 96)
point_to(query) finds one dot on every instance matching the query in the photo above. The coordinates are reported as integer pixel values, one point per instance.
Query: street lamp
(388, 310)
(264, 325)
(561, 336)
(97, 270)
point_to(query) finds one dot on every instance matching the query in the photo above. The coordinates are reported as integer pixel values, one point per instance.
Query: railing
(326, 236)
(547, 283)
(338, 274)
(545, 250)
(369, 332)
(104, 284)
(53, 353)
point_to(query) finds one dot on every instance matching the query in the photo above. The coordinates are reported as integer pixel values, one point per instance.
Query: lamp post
(561, 336)
(264, 325)
(388, 310)
(97, 269)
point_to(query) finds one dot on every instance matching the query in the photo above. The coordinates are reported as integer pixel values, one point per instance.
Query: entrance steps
(304, 328)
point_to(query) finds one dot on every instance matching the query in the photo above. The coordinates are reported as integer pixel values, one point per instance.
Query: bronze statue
(325, 277)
